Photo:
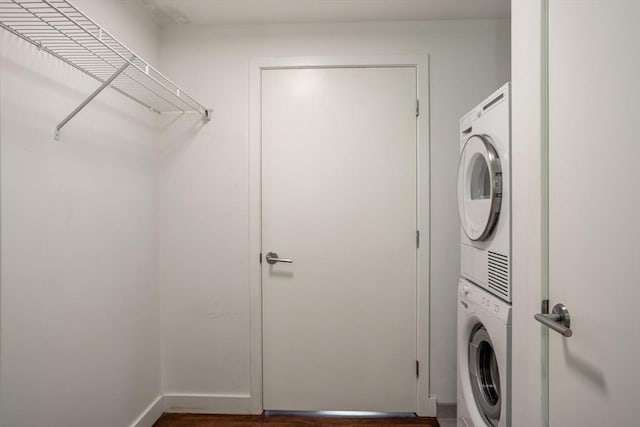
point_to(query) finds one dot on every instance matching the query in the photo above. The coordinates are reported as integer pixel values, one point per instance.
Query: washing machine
(484, 358)
(484, 199)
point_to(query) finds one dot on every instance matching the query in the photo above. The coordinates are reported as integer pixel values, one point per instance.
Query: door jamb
(425, 404)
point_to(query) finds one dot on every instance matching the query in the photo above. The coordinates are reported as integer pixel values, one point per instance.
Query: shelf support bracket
(95, 93)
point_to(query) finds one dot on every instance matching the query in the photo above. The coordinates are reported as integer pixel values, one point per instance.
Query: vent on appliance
(499, 273)
(493, 102)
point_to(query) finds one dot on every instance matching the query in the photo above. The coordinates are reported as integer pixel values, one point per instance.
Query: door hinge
(544, 307)
(417, 107)
(417, 369)
(418, 239)
(260, 257)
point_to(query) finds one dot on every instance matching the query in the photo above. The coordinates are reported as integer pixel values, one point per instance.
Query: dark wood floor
(192, 420)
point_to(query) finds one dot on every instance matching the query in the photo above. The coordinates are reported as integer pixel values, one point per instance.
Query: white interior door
(339, 200)
(594, 204)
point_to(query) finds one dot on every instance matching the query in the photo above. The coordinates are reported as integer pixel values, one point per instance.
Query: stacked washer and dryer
(484, 290)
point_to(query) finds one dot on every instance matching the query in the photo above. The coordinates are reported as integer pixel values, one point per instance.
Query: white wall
(80, 308)
(204, 253)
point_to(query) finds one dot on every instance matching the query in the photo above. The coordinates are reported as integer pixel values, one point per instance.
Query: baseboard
(194, 404)
(151, 414)
(447, 410)
(231, 404)
(207, 403)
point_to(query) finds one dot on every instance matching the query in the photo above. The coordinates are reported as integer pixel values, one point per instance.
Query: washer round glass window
(485, 375)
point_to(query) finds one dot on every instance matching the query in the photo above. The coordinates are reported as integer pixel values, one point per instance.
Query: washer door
(479, 187)
(485, 375)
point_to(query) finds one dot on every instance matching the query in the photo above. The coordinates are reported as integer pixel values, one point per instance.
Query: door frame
(529, 131)
(426, 404)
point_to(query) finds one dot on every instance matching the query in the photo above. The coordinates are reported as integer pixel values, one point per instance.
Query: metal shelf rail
(60, 29)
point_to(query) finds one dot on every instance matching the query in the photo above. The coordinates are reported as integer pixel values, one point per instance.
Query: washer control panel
(472, 294)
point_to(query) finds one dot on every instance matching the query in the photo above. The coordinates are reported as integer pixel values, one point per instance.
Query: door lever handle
(272, 258)
(559, 320)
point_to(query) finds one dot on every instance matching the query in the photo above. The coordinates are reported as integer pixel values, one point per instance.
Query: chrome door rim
(495, 173)
(484, 375)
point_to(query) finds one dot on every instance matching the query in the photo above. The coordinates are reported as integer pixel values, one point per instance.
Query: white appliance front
(484, 199)
(484, 358)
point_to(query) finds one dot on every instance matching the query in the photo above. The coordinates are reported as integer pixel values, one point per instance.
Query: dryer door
(485, 376)
(479, 187)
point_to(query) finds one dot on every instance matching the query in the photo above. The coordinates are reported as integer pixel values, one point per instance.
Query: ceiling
(304, 11)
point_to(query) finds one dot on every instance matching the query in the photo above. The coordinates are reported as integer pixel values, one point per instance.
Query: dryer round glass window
(479, 187)
(480, 181)
(485, 375)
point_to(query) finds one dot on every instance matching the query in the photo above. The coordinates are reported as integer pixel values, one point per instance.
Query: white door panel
(594, 204)
(339, 199)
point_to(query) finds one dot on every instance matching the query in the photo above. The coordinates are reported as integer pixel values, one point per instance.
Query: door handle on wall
(559, 320)
(272, 258)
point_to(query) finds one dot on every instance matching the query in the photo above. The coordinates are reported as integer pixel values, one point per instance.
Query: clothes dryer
(484, 198)
(484, 358)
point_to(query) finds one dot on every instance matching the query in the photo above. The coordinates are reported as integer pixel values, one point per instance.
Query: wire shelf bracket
(60, 29)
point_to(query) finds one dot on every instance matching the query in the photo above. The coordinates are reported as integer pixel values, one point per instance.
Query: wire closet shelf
(60, 29)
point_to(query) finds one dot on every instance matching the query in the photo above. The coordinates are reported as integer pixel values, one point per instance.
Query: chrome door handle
(272, 258)
(559, 320)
